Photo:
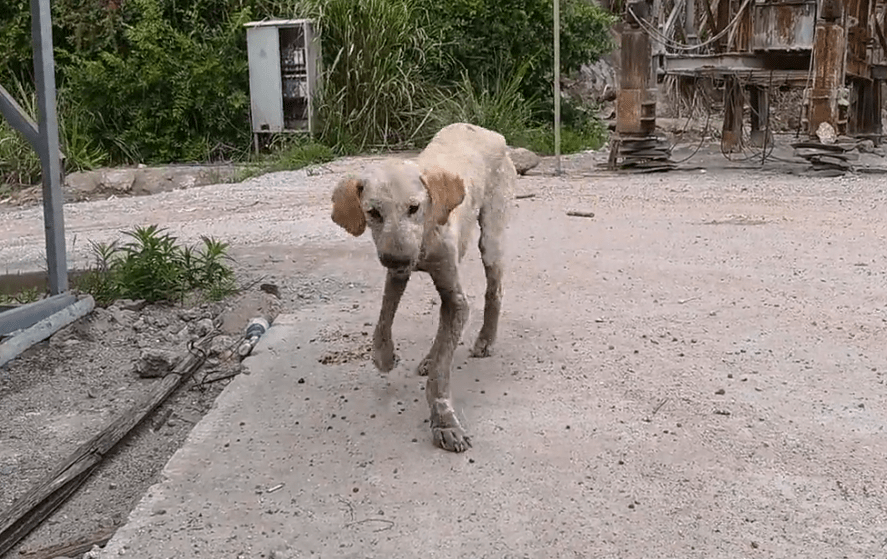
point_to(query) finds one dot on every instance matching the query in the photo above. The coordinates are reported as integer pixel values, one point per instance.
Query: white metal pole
(557, 86)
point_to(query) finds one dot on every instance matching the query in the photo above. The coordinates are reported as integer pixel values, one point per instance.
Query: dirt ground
(723, 326)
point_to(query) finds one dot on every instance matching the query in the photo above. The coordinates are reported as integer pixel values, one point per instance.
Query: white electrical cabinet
(284, 66)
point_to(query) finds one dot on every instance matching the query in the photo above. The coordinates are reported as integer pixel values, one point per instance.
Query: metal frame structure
(44, 138)
(835, 50)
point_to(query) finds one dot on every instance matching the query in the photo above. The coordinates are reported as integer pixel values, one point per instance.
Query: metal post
(557, 86)
(48, 146)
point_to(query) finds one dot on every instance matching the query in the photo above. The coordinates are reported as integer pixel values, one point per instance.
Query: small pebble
(301, 381)
(720, 391)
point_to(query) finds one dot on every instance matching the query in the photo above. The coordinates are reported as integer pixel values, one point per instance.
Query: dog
(422, 214)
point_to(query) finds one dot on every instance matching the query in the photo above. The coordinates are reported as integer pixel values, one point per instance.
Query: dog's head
(401, 205)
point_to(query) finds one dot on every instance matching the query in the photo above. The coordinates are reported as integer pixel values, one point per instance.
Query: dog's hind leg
(384, 357)
(493, 218)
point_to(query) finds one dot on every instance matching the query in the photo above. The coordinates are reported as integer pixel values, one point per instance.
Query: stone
(826, 133)
(119, 180)
(866, 146)
(130, 305)
(203, 327)
(523, 159)
(155, 362)
(221, 346)
(121, 316)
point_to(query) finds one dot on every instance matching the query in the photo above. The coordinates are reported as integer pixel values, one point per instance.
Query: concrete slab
(696, 372)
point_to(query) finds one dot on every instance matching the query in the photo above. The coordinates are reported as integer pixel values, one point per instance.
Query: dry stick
(72, 548)
(659, 406)
(580, 214)
(390, 524)
(211, 379)
(523, 196)
(37, 504)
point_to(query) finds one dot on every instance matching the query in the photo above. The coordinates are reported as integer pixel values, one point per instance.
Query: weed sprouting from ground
(153, 266)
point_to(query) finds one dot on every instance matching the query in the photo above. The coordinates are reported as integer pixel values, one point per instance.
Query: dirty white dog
(421, 214)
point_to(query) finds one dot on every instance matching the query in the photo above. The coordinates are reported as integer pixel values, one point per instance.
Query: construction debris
(828, 160)
(648, 154)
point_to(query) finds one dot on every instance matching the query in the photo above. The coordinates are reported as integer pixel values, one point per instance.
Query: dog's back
(474, 153)
(480, 157)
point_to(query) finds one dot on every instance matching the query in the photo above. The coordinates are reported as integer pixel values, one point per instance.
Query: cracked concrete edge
(226, 404)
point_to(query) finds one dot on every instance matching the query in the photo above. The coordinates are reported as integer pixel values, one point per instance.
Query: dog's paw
(445, 427)
(384, 358)
(424, 367)
(482, 348)
(452, 439)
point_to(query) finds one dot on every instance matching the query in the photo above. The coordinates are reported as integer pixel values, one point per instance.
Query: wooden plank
(669, 24)
(37, 504)
(16, 345)
(24, 525)
(712, 22)
(74, 548)
(25, 316)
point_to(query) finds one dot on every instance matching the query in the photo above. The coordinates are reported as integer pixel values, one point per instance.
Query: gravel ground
(746, 305)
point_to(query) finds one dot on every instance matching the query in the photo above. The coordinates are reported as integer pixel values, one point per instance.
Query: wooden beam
(879, 31)
(74, 548)
(669, 23)
(709, 14)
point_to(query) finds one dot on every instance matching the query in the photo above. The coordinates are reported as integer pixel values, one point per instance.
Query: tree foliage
(167, 80)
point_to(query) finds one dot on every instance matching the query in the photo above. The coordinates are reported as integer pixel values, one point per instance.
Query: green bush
(489, 37)
(167, 94)
(159, 81)
(154, 267)
(19, 163)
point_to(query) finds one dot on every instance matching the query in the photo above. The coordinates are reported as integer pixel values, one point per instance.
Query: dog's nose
(394, 262)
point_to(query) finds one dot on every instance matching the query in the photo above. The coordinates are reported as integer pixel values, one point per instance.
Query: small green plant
(23, 297)
(287, 153)
(154, 267)
(19, 163)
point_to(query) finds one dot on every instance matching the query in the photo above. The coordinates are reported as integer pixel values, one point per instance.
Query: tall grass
(374, 94)
(496, 104)
(19, 163)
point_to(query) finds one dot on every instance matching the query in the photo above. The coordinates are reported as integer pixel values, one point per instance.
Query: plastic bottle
(253, 332)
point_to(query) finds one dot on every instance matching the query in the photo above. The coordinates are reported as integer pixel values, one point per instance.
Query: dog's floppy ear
(447, 190)
(347, 212)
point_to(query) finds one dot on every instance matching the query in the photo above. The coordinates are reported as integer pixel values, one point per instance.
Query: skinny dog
(421, 214)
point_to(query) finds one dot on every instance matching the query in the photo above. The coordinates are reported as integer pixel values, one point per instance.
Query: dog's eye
(374, 213)
(413, 209)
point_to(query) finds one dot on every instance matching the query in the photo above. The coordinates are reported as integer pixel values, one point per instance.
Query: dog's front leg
(445, 427)
(384, 357)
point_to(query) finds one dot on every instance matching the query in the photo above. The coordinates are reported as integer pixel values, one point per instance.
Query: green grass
(286, 153)
(153, 266)
(22, 297)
